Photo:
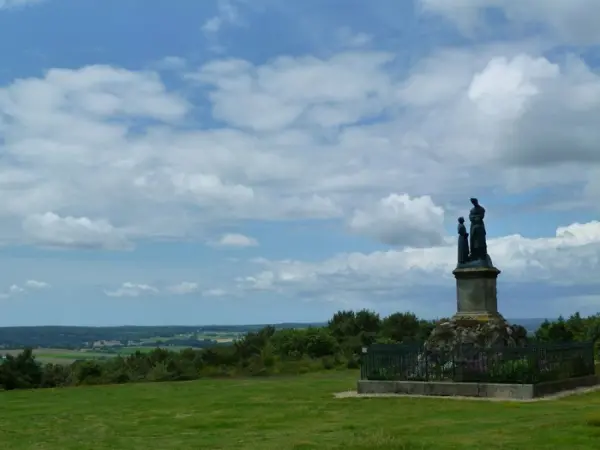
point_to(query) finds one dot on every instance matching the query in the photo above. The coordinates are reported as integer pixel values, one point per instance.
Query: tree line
(71, 337)
(267, 351)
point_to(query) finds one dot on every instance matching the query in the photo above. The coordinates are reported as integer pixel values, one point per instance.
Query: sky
(262, 161)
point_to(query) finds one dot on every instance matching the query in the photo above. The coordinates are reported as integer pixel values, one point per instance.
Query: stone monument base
(477, 321)
(476, 293)
(482, 331)
(474, 318)
(506, 391)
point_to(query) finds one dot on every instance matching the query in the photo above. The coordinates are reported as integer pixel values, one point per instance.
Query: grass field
(59, 355)
(219, 336)
(284, 413)
(64, 356)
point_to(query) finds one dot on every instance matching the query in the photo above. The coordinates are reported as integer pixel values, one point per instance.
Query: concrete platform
(485, 390)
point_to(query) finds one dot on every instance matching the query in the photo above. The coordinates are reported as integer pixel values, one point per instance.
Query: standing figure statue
(477, 232)
(463, 242)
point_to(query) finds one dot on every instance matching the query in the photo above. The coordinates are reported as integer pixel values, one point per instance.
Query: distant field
(220, 337)
(63, 356)
(284, 414)
(59, 355)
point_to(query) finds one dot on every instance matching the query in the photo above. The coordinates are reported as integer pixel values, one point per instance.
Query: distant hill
(79, 337)
(195, 336)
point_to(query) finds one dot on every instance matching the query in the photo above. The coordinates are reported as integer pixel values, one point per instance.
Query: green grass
(60, 355)
(284, 413)
(131, 350)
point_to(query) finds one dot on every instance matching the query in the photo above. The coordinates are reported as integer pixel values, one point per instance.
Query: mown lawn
(284, 413)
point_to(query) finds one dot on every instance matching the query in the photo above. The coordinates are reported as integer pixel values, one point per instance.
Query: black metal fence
(535, 363)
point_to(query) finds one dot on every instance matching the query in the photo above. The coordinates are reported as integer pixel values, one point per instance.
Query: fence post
(363, 364)
(426, 356)
(535, 359)
(453, 362)
(591, 350)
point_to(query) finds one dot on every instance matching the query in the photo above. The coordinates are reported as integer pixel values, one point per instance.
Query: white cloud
(509, 122)
(35, 284)
(101, 156)
(304, 90)
(519, 97)
(401, 220)
(573, 21)
(90, 92)
(106, 158)
(72, 147)
(214, 292)
(171, 63)
(8, 4)
(571, 257)
(263, 281)
(235, 240)
(460, 120)
(183, 288)
(227, 15)
(348, 38)
(129, 289)
(107, 170)
(210, 188)
(504, 88)
(89, 145)
(15, 290)
(71, 232)
(212, 25)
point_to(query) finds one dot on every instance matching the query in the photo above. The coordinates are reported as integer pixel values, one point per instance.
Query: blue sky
(199, 162)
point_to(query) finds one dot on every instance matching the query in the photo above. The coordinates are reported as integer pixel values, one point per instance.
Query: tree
(401, 327)
(343, 324)
(576, 324)
(21, 371)
(557, 331)
(253, 342)
(320, 343)
(367, 321)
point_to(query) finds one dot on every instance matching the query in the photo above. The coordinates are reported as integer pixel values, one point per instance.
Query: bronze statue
(472, 246)
(463, 242)
(477, 232)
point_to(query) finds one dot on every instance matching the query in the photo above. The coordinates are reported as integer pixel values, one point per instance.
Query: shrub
(269, 351)
(328, 363)
(159, 372)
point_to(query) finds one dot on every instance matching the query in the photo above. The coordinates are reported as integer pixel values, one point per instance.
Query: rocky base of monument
(457, 332)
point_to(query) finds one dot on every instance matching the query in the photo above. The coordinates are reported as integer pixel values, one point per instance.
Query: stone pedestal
(477, 320)
(476, 294)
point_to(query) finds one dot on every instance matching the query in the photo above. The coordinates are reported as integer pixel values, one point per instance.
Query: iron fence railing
(535, 363)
